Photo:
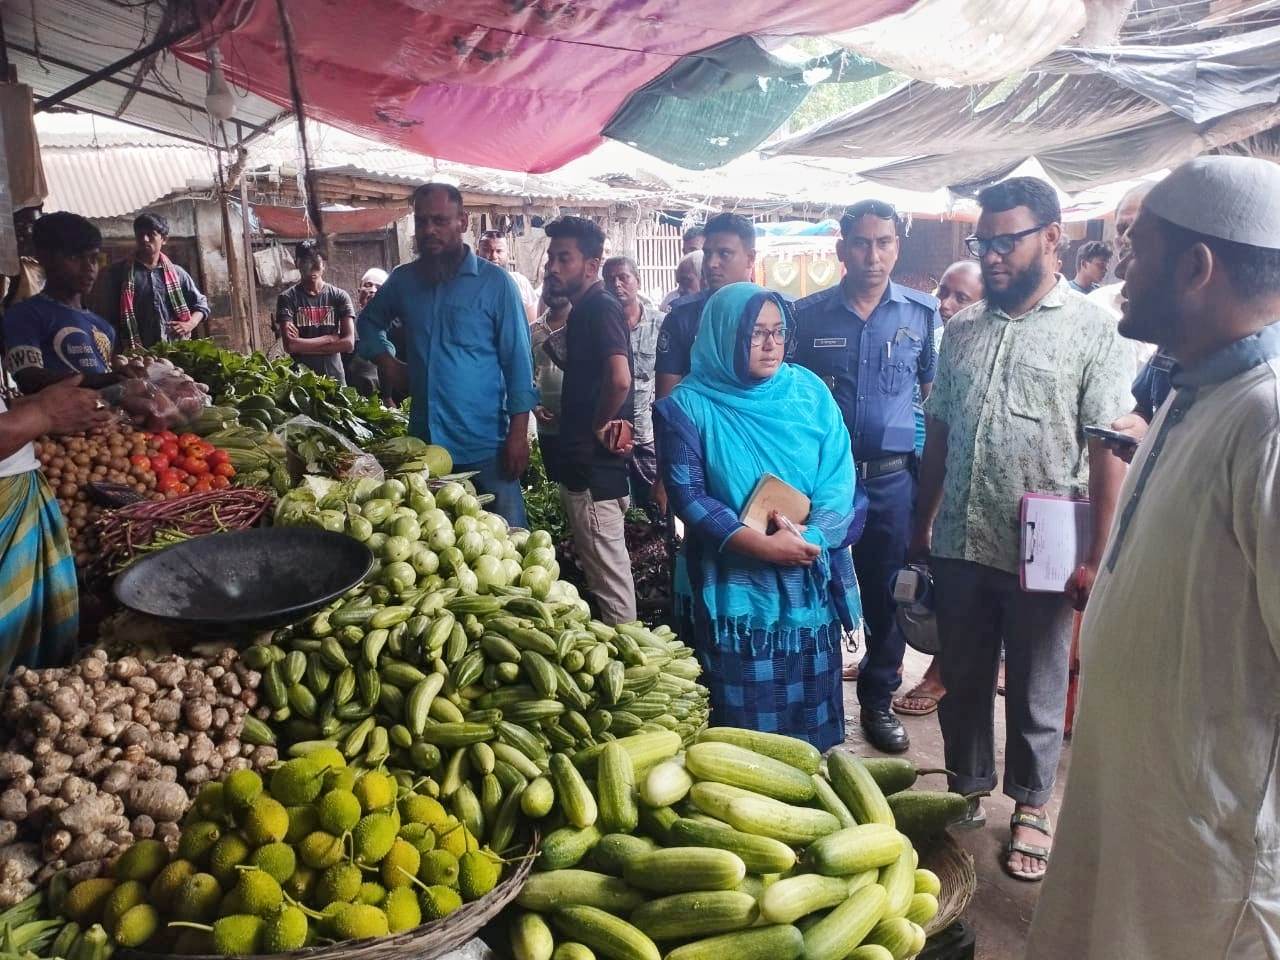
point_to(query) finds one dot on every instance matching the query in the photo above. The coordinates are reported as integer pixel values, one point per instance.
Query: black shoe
(885, 731)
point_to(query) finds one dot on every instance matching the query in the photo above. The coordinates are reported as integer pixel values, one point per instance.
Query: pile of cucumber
(742, 846)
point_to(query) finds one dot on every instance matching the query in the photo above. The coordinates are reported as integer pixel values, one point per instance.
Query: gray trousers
(977, 607)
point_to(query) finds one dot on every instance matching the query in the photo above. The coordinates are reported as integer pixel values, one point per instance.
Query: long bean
(125, 532)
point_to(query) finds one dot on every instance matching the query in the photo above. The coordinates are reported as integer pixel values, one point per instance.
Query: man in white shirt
(1169, 840)
(493, 247)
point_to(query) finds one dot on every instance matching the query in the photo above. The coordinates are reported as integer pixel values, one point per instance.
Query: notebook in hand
(772, 494)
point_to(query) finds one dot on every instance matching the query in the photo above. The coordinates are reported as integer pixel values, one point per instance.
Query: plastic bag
(316, 448)
(157, 395)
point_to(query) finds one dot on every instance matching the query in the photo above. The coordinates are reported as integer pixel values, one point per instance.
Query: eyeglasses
(760, 335)
(1002, 244)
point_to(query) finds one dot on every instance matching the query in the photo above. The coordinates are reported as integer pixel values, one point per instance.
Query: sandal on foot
(1038, 823)
(976, 817)
(904, 706)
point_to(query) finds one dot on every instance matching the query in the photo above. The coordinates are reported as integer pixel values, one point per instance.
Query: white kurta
(1168, 845)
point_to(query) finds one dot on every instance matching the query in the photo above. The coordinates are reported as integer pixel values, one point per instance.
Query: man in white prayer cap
(1169, 838)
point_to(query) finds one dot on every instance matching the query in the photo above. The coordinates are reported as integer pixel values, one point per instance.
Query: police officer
(871, 341)
(728, 256)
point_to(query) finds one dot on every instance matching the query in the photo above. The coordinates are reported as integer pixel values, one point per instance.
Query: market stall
(406, 739)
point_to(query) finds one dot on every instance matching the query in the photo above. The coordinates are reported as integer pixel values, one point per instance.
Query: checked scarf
(172, 290)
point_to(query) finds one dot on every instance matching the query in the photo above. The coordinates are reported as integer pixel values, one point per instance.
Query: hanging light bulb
(219, 101)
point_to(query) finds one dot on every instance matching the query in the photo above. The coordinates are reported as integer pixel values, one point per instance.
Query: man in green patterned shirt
(1020, 376)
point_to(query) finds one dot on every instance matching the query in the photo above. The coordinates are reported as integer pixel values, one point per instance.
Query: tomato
(170, 449)
(189, 438)
(170, 475)
(219, 482)
(224, 470)
(202, 486)
(170, 487)
(159, 462)
(168, 436)
(184, 488)
(203, 449)
(217, 456)
(196, 466)
(138, 460)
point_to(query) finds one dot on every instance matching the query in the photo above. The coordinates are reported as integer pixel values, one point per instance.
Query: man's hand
(393, 375)
(543, 415)
(185, 328)
(515, 453)
(66, 407)
(617, 436)
(1081, 585)
(658, 494)
(291, 330)
(920, 545)
(1131, 425)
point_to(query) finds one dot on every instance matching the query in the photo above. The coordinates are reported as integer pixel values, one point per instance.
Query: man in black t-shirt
(596, 431)
(315, 319)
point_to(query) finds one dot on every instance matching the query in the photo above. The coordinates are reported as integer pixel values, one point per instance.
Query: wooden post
(233, 265)
(250, 281)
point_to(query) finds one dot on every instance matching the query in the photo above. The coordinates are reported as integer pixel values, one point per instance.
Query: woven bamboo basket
(954, 867)
(421, 943)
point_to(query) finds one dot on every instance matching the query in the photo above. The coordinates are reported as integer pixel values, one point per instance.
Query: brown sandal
(900, 704)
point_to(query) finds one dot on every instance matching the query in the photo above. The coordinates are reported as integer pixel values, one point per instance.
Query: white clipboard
(1057, 535)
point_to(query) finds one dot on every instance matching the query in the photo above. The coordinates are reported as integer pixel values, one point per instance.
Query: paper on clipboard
(1057, 534)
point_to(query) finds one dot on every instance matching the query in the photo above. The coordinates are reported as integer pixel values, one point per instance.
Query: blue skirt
(798, 694)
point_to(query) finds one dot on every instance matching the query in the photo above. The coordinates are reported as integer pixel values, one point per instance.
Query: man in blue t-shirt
(51, 336)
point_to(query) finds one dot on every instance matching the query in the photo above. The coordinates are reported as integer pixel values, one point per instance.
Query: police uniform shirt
(872, 367)
(679, 328)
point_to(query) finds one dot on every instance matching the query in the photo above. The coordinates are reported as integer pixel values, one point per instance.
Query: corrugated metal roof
(116, 181)
(54, 43)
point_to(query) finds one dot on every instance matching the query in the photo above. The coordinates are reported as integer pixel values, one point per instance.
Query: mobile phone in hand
(1110, 436)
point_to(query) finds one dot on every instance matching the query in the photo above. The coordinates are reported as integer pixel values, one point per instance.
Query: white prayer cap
(1231, 198)
(374, 275)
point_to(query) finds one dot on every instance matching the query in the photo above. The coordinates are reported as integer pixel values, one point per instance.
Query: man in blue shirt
(871, 341)
(467, 365)
(728, 256)
(50, 336)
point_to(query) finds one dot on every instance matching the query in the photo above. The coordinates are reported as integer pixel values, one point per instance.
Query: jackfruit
(228, 853)
(260, 894)
(330, 757)
(419, 836)
(438, 902)
(123, 898)
(478, 873)
(238, 935)
(277, 859)
(240, 789)
(137, 926)
(372, 893)
(373, 837)
(319, 850)
(416, 808)
(439, 867)
(87, 900)
(168, 884)
(302, 820)
(267, 821)
(211, 802)
(197, 839)
(375, 790)
(357, 921)
(341, 882)
(339, 811)
(402, 909)
(142, 861)
(343, 779)
(198, 898)
(285, 932)
(400, 865)
(299, 780)
(300, 883)
(454, 837)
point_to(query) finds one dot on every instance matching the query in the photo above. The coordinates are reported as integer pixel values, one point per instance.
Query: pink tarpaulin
(514, 84)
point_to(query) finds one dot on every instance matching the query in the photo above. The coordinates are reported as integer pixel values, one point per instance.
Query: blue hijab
(787, 425)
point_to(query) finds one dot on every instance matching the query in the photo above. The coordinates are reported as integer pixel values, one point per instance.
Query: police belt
(882, 466)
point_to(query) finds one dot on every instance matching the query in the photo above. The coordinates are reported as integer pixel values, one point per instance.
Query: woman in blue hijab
(765, 612)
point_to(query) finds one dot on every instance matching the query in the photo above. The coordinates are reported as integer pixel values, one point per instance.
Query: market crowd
(811, 450)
